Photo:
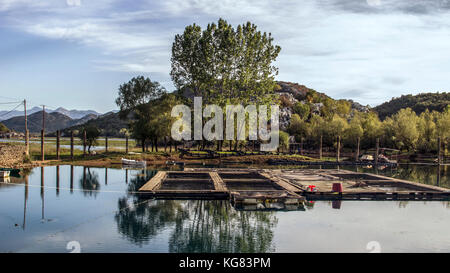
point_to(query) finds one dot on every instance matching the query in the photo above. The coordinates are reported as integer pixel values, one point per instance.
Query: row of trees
(404, 130)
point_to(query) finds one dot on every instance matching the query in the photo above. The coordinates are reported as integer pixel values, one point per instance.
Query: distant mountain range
(53, 121)
(73, 114)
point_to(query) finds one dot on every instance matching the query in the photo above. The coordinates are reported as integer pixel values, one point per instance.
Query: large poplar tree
(225, 65)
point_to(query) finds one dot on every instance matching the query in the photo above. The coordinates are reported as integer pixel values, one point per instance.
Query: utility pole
(27, 147)
(43, 133)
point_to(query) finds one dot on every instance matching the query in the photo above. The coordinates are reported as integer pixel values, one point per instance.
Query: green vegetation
(225, 65)
(150, 107)
(92, 133)
(110, 125)
(418, 103)
(404, 130)
(3, 128)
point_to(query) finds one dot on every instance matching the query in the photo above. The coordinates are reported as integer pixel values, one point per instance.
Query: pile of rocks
(11, 155)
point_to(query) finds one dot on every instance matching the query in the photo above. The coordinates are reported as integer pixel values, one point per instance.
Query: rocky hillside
(292, 94)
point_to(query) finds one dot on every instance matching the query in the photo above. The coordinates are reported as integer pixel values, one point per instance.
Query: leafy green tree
(137, 91)
(3, 128)
(406, 132)
(225, 65)
(153, 120)
(373, 129)
(337, 126)
(353, 131)
(298, 127)
(284, 140)
(302, 110)
(92, 134)
(443, 124)
(427, 131)
(140, 96)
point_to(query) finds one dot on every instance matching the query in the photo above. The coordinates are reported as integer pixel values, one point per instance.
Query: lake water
(96, 208)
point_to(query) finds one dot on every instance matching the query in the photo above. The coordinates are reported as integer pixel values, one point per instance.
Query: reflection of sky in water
(104, 217)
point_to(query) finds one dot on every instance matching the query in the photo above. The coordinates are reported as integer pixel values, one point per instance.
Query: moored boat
(135, 163)
(12, 171)
(4, 174)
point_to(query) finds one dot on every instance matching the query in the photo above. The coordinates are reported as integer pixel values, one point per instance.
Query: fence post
(71, 145)
(84, 142)
(42, 146)
(106, 143)
(58, 135)
(126, 144)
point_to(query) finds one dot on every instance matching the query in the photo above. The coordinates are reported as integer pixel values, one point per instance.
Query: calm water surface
(96, 207)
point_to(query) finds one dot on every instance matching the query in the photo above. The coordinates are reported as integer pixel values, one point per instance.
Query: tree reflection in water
(89, 182)
(196, 225)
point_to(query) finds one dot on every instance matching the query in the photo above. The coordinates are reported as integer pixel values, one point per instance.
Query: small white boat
(135, 163)
(4, 174)
(4, 180)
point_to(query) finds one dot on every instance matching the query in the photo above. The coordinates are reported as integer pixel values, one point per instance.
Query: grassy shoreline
(114, 155)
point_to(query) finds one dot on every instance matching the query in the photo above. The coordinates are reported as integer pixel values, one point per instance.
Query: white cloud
(73, 2)
(342, 52)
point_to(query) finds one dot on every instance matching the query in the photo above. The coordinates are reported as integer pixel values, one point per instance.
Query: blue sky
(75, 53)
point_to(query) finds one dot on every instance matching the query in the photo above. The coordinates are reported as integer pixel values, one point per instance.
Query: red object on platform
(337, 187)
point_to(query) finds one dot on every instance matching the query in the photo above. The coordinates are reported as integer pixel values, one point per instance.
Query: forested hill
(418, 103)
(110, 124)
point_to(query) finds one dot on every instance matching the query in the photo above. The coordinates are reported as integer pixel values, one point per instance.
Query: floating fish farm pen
(268, 189)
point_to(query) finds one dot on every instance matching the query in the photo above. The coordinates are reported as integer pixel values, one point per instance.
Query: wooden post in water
(377, 150)
(42, 192)
(71, 146)
(439, 151)
(106, 143)
(43, 133)
(71, 177)
(358, 142)
(58, 135)
(42, 146)
(126, 144)
(320, 148)
(106, 176)
(338, 152)
(57, 180)
(84, 142)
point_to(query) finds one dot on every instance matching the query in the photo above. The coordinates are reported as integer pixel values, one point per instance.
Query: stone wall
(11, 155)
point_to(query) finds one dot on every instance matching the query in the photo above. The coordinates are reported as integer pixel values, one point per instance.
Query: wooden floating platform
(246, 189)
(284, 189)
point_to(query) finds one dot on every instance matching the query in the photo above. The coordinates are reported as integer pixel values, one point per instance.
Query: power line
(12, 102)
(20, 104)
